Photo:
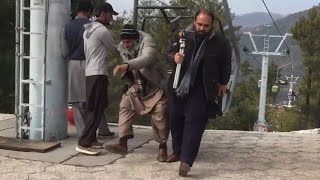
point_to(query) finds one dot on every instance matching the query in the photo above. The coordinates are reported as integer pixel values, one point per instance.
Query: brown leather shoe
(116, 148)
(162, 155)
(172, 158)
(184, 169)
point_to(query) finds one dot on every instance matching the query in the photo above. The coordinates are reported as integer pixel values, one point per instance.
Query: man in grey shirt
(73, 35)
(98, 43)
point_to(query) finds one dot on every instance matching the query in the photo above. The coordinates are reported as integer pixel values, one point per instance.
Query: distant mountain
(255, 19)
(284, 24)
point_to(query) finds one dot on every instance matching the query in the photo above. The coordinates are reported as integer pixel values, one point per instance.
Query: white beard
(133, 51)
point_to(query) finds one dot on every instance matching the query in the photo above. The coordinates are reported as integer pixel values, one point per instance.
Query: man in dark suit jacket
(205, 72)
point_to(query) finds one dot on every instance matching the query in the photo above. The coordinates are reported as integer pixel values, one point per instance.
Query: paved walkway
(223, 155)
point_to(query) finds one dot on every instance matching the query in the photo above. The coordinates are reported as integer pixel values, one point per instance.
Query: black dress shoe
(184, 169)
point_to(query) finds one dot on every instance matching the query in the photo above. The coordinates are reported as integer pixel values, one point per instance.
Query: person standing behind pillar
(205, 72)
(73, 35)
(98, 43)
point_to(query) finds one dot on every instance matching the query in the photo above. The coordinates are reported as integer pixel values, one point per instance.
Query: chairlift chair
(227, 99)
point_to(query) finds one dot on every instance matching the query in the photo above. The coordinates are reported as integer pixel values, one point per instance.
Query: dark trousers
(97, 101)
(188, 119)
(79, 113)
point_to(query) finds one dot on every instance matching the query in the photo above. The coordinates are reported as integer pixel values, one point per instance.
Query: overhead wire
(275, 24)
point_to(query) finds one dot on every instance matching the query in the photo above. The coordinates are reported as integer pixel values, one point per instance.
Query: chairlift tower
(291, 96)
(261, 124)
(42, 115)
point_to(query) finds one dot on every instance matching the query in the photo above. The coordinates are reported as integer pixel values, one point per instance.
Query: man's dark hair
(85, 6)
(204, 11)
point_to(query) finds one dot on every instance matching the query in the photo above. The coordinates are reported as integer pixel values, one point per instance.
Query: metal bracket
(18, 28)
(165, 15)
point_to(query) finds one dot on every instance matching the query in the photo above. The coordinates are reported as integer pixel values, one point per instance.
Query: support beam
(56, 125)
(252, 41)
(160, 7)
(37, 49)
(136, 8)
(165, 15)
(282, 41)
(135, 13)
(17, 65)
(174, 19)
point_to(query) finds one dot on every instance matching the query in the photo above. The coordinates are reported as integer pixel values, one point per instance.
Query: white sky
(241, 6)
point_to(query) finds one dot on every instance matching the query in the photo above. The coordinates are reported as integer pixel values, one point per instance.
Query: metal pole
(56, 125)
(261, 124)
(135, 13)
(182, 42)
(44, 69)
(290, 91)
(21, 70)
(37, 19)
(17, 66)
(293, 80)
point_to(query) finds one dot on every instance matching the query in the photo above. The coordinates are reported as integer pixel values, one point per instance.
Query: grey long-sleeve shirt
(98, 43)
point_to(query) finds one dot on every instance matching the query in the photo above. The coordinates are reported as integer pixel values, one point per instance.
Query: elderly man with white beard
(145, 91)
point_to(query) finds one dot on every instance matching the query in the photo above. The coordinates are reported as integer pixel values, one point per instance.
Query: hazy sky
(242, 6)
(275, 6)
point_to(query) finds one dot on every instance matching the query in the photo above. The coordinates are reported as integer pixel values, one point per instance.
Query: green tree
(246, 68)
(306, 32)
(7, 52)
(284, 119)
(244, 109)
(243, 112)
(272, 76)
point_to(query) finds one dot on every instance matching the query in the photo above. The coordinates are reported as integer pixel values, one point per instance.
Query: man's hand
(178, 58)
(119, 69)
(222, 90)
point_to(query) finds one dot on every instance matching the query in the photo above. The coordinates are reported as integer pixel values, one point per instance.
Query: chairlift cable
(288, 48)
(275, 24)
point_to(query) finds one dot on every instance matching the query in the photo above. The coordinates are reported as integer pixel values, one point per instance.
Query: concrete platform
(223, 155)
(66, 154)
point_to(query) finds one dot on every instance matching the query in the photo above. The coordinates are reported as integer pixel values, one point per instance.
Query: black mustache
(201, 32)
